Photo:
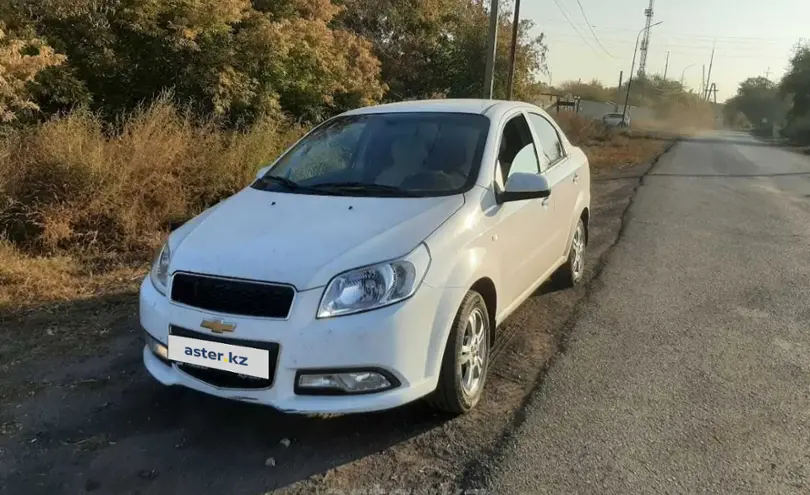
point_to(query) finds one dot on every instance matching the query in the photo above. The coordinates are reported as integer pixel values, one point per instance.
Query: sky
(753, 38)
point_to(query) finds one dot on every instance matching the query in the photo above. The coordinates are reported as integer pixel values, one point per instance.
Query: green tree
(795, 87)
(759, 100)
(592, 91)
(431, 48)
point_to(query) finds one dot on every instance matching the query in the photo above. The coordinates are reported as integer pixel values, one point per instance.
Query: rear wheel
(466, 358)
(570, 273)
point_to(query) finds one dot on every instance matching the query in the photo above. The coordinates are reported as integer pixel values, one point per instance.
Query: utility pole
(645, 44)
(768, 73)
(492, 42)
(618, 91)
(709, 77)
(510, 86)
(666, 67)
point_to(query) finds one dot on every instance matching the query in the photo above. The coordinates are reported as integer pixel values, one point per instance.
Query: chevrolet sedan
(371, 264)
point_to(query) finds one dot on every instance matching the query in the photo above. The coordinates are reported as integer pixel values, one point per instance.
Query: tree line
(666, 98)
(242, 60)
(765, 105)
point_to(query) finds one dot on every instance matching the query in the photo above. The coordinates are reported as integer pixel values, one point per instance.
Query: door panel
(562, 174)
(523, 226)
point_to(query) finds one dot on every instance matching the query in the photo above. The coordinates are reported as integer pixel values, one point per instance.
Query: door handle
(576, 178)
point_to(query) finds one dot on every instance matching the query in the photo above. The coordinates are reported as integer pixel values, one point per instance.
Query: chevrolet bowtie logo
(218, 326)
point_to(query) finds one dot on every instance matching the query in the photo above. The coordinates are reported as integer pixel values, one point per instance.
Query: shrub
(582, 131)
(798, 130)
(74, 184)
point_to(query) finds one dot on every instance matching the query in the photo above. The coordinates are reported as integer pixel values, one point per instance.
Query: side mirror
(521, 186)
(261, 172)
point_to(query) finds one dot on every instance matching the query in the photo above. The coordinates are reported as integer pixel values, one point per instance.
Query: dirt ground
(80, 414)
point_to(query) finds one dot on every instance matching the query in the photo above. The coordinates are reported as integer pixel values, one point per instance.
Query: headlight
(375, 286)
(160, 270)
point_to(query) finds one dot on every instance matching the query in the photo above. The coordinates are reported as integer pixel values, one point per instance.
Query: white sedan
(371, 263)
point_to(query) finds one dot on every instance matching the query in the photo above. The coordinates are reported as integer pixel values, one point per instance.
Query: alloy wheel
(578, 251)
(473, 353)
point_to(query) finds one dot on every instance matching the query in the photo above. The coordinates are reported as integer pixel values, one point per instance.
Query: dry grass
(623, 152)
(29, 281)
(611, 149)
(70, 185)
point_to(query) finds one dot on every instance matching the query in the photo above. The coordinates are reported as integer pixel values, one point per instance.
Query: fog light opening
(343, 382)
(157, 348)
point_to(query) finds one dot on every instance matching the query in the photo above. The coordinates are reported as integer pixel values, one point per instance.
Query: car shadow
(110, 428)
(548, 287)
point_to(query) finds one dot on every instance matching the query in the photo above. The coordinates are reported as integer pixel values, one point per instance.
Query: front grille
(227, 379)
(237, 297)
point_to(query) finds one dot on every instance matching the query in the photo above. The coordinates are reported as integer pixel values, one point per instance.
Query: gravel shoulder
(79, 414)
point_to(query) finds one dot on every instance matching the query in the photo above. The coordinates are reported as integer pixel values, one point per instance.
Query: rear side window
(550, 144)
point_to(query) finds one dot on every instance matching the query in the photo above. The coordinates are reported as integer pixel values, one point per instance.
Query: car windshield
(389, 154)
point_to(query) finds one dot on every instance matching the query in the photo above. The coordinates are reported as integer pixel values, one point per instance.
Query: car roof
(472, 106)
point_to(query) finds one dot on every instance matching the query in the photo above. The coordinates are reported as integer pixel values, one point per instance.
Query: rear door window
(551, 146)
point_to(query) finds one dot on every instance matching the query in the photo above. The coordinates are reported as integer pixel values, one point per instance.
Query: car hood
(303, 240)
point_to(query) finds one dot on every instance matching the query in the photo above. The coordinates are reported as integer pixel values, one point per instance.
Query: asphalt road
(688, 370)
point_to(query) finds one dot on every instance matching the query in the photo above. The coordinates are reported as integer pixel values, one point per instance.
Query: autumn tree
(234, 58)
(239, 59)
(20, 61)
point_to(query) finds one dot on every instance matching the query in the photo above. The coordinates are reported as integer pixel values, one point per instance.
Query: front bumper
(406, 340)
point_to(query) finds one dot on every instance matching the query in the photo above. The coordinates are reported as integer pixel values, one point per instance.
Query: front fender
(455, 278)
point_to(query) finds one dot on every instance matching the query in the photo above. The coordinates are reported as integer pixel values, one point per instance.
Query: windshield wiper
(362, 187)
(283, 182)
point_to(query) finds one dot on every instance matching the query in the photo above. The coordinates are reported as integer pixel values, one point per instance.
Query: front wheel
(570, 273)
(466, 358)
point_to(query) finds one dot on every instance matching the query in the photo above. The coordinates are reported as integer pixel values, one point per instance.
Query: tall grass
(74, 185)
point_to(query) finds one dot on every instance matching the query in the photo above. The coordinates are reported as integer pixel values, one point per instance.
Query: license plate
(227, 357)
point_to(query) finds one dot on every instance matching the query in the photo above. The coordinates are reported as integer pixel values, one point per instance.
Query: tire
(570, 273)
(466, 358)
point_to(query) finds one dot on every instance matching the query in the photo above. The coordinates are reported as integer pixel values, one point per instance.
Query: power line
(588, 22)
(677, 41)
(691, 53)
(742, 49)
(557, 3)
(688, 35)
